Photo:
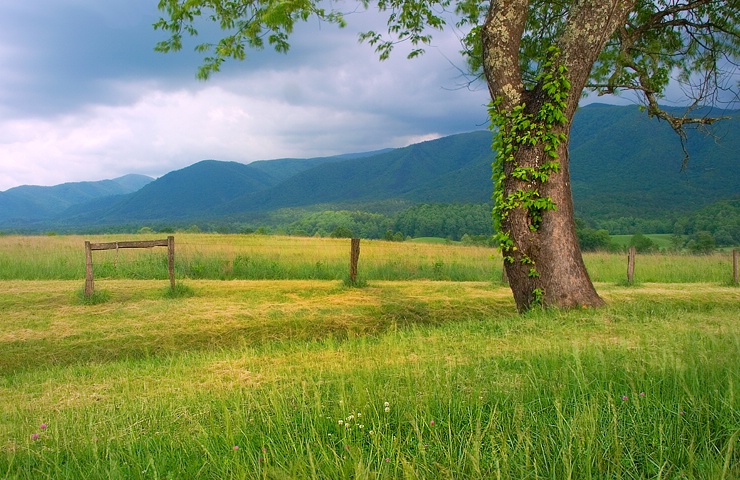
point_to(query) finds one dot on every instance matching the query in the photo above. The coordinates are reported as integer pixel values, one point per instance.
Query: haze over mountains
(622, 164)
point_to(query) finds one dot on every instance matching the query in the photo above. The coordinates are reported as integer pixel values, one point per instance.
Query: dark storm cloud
(84, 96)
(64, 54)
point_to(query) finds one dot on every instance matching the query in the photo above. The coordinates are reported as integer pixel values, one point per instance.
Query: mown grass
(259, 257)
(423, 379)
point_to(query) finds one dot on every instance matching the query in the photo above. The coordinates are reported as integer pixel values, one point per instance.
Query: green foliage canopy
(249, 24)
(592, 240)
(642, 243)
(696, 42)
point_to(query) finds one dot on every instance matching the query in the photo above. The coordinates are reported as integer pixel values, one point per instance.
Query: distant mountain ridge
(405, 173)
(29, 203)
(622, 164)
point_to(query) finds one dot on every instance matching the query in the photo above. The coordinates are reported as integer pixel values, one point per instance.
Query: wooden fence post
(631, 265)
(735, 255)
(171, 260)
(89, 247)
(89, 282)
(354, 256)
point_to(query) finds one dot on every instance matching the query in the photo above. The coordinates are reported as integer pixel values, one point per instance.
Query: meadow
(263, 257)
(416, 377)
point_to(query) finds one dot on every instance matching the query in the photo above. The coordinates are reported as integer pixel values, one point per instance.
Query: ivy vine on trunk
(518, 129)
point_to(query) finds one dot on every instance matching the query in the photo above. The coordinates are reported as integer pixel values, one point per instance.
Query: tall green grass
(259, 257)
(661, 268)
(417, 379)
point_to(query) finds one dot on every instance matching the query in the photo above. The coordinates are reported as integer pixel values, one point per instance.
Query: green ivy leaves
(516, 129)
(253, 24)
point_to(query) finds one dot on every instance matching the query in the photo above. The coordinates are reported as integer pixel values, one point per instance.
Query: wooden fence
(89, 247)
(354, 256)
(631, 254)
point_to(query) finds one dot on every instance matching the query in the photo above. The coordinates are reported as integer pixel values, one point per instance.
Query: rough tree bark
(546, 266)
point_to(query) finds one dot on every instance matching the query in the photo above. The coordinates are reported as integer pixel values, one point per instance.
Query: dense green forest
(451, 221)
(716, 225)
(626, 169)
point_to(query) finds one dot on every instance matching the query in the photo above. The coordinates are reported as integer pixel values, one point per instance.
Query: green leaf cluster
(516, 129)
(669, 39)
(408, 21)
(249, 24)
(545, 23)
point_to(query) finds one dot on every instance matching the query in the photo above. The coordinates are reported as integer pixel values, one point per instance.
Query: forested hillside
(31, 203)
(628, 175)
(625, 164)
(420, 172)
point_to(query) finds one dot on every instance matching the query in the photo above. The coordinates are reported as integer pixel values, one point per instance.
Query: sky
(84, 96)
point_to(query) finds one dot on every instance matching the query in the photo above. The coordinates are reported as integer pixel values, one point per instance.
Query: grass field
(402, 379)
(261, 257)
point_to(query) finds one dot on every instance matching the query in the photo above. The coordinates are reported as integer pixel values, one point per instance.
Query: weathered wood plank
(169, 242)
(89, 281)
(354, 256)
(171, 260)
(129, 244)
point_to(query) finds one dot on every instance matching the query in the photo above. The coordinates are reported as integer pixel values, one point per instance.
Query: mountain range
(622, 164)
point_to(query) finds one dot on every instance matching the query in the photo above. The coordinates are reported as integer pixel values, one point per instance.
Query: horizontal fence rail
(169, 242)
(130, 244)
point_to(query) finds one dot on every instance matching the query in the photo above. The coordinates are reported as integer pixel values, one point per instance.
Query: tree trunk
(547, 266)
(543, 259)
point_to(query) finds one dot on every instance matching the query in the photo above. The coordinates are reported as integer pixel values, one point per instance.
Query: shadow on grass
(393, 310)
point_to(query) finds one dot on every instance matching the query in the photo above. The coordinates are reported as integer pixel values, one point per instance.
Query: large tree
(537, 58)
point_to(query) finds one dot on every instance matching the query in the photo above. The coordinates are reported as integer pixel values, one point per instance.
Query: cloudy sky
(84, 96)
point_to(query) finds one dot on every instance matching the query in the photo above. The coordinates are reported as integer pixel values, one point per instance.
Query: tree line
(450, 221)
(717, 225)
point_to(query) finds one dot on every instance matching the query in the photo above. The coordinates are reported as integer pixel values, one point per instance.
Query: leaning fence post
(354, 256)
(631, 265)
(89, 283)
(171, 260)
(735, 255)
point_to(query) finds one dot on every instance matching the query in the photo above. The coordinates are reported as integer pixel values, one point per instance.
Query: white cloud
(254, 117)
(107, 115)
